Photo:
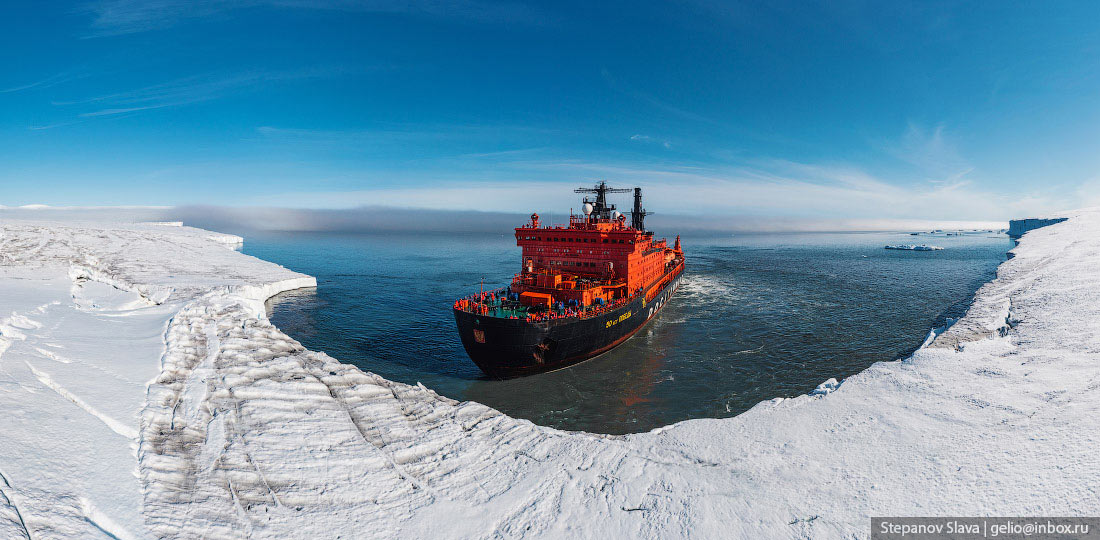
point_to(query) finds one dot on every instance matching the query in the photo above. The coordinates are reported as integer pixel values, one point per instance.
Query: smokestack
(637, 217)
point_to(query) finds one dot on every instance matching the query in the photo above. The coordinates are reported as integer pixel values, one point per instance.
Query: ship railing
(473, 302)
(573, 313)
(491, 292)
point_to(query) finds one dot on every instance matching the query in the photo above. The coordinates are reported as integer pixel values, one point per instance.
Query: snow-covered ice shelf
(144, 394)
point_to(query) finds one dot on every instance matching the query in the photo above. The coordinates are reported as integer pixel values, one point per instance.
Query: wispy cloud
(111, 112)
(621, 86)
(460, 145)
(427, 131)
(183, 91)
(52, 80)
(930, 150)
(653, 140)
(504, 154)
(117, 17)
(40, 127)
(682, 114)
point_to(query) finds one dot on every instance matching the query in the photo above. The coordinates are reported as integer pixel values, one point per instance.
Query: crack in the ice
(15, 508)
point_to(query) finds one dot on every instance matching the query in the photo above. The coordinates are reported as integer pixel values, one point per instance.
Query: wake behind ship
(584, 288)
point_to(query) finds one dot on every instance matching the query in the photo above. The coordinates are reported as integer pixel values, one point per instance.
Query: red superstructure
(595, 260)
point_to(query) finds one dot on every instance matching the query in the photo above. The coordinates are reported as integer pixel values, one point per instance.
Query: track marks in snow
(32, 514)
(195, 389)
(52, 355)
(56, 357)
(115, 425)
(14, 326)
(8, 334)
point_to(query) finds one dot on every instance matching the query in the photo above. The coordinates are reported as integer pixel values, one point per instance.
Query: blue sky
(873, 110)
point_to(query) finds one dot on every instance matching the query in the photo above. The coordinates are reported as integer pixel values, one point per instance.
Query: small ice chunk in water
(914, 247)
(825, 387)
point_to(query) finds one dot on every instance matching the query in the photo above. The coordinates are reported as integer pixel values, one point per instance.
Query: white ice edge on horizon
(113, 329)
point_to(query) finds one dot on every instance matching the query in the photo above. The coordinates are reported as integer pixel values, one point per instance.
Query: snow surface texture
(149, 397)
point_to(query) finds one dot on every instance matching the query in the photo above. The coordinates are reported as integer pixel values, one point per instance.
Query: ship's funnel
(637, 217)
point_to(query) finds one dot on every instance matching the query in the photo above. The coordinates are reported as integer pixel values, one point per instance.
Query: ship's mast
(600, 208)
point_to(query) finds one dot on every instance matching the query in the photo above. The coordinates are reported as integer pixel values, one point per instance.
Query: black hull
(508, 348)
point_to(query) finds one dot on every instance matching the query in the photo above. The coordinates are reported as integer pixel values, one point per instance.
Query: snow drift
(147, 396)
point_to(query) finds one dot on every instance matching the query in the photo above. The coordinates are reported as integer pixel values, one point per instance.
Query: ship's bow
(503, 348)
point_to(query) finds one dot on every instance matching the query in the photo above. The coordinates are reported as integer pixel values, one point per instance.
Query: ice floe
(914, 247)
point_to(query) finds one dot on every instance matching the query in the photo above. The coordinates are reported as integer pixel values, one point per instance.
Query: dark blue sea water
(758, 316)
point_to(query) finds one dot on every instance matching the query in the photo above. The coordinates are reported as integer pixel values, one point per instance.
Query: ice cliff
(1018, 227)
(145, 395)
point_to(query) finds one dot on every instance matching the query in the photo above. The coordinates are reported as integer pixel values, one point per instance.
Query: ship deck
(505, 309)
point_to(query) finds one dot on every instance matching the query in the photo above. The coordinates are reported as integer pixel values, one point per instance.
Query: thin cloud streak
(187, 89)
(418, 131)
(120, 17)
(109, 112)
(54, 125)
(648, 139)
(618, 85)
(48, 82)
(183, 91)
(932, 151)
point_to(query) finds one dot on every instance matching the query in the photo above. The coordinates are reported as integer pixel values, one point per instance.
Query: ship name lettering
(621, 318)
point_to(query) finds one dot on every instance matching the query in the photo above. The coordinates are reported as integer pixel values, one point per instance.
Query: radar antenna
(600, 208)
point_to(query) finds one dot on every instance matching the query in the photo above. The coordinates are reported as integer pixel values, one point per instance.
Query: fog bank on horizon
(381, 219)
